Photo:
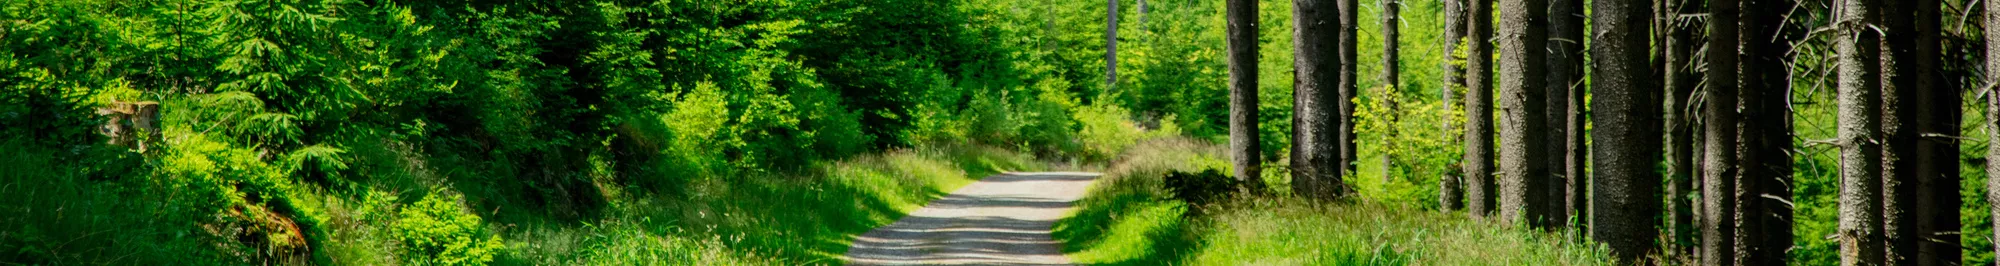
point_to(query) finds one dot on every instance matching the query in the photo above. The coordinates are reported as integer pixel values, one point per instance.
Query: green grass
(766, 218)
(1128, 220)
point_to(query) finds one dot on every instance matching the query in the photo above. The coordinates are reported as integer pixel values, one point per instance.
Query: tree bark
(1451, 188)
(1763, 217)
(1565, 81)
(1681, 78)
(1243, 143)
(1479, 191)
(1992, 88)
(1524, 160)
(1858, 46)
(1899, 131)
(1346, 86)
(1718, 205)
(1111, 46)
(1626, 190)
(1937, 149)
(1315, 23)
(1391, 12)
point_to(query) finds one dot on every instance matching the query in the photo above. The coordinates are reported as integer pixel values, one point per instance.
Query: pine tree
(1899, 132)
(1348, 14)
(1478, 163)
(1390, 78)
(1937, 171)
(1451, 187)
(1858, 45)
(1625, 190)
(1524, 128)
(1763, 196)
(1719, 165)
(1681, 77)
(1565, 89)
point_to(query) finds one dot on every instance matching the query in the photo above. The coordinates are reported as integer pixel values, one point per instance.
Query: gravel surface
(1001, 220)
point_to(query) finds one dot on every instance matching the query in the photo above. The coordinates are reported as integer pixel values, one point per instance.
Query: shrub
(1201, 190)
(436, 231)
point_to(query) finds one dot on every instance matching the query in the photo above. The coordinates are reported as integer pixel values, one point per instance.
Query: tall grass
(1129, 220)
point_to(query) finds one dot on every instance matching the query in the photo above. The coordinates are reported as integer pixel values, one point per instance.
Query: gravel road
(1001, 220)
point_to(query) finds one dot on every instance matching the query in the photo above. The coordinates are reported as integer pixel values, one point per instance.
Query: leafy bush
(436, 231)
(1201, 190)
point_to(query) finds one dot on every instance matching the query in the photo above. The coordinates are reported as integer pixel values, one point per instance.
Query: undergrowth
(1130, 219)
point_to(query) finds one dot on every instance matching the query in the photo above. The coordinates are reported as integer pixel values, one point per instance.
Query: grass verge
(1128, 219)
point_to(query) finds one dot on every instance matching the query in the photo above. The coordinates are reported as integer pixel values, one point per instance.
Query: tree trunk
(1315, 23)
(1899, 131)
(1937, 149)
(1243, 143)
(1681, 78)
(1992, 88)
(1391, 11)
(1524, 160)
(1111, 46)
(1718, 205)
(1479, 109)
(1858, 46)
(1451, 192)
(1565, 63)
(1763, 217)
(1346, 86)
(1626, 190)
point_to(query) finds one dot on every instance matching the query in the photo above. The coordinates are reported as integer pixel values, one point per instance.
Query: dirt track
(1000, 220)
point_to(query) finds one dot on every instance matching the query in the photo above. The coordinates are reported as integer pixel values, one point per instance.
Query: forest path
(1001, 220)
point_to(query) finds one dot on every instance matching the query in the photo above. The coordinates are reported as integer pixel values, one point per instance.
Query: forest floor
(1004, 219)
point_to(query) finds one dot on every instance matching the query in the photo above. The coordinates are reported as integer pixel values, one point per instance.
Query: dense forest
(725, 132)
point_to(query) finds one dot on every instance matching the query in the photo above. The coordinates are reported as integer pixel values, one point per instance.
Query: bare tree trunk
(1346, 86)
(1937, 150)
(1315, 139)
(1479, 109)
(1626, 189)
(1718, 205)
(1860, 122)
(1391, 10)
(1899, 131)
(1111, 46)
(1763, 218)
(1524, 163)
(1992, 89)
(1681, 79)
(1243, 143)
(1451, 186)
(1565, 63)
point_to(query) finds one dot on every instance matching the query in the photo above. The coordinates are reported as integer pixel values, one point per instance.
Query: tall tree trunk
(1347, 24)
(1681, 78)
(1110, 46)
(1718, 221)
(1763, 217)
(1859, 47)
(1937, 150)
(1243, 143)
(1391, 12)
(1479, 109)
(1565, 46)
(1451, 186)
(1315, 24)
(1899, 131)
(1992, 89)
(1524, 163)
(1626, 190)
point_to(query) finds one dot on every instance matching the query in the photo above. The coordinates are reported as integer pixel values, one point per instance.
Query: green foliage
(1421, 151)
(437, 231)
